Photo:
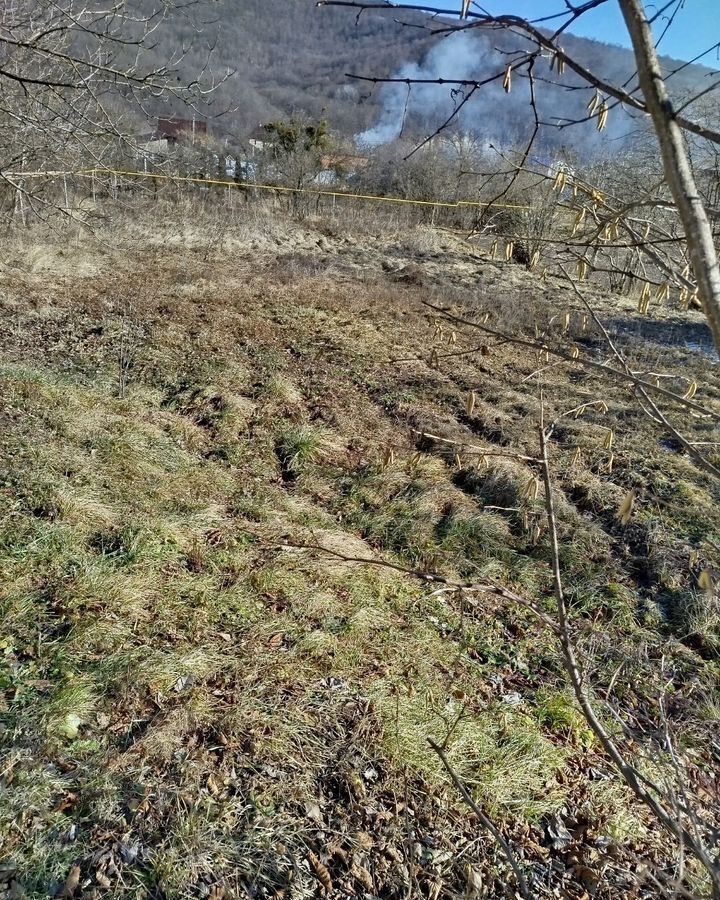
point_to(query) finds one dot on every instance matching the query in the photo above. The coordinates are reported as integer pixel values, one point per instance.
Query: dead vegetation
(194, 707)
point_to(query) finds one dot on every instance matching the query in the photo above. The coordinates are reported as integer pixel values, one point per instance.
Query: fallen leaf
(559, 835)
(511, 699)
(589, 877)
(626, 508)
(364, 840)
(183, 682)
(356, 785)
(72, 882)
(313, 811)
(212, 785)
(335, 849)
(67, 802)
(214, 537)
(363, 876)
(276, 640)
(321, 872)
(705, 581)
(435, 889)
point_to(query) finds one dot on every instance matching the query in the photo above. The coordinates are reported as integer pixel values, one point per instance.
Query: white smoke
(458, 56)
(491, 115)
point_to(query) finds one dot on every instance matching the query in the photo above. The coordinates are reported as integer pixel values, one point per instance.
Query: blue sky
(695, 28)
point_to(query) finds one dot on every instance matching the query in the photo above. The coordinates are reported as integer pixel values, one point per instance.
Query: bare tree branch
(607, 371)
(482, 20)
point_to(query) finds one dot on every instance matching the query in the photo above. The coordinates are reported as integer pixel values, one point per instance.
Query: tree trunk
(676, 164)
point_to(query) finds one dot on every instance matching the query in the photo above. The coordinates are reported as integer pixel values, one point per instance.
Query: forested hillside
(290, 57)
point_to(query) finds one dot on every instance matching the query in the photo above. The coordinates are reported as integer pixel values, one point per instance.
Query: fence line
(313, 192)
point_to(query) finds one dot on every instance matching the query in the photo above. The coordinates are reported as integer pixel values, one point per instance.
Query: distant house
(246, 171)
(338, 166)
(166, 133)
(259, 140)
(175, 130)
(154, 148)
(183, 145)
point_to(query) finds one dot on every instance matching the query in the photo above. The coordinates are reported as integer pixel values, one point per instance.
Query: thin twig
(474, 448)
(608, 371)
(484, 820)
(484, 587)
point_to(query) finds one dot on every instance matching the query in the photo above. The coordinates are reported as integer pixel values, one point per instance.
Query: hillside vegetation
(195, 705)
(291, 58)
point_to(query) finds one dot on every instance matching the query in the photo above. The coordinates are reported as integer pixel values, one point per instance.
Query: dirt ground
(202, 698)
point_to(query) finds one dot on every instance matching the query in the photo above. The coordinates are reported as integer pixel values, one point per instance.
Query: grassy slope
(191, 709)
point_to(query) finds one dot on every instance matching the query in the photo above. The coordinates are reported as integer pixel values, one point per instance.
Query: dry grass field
(194, 706)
